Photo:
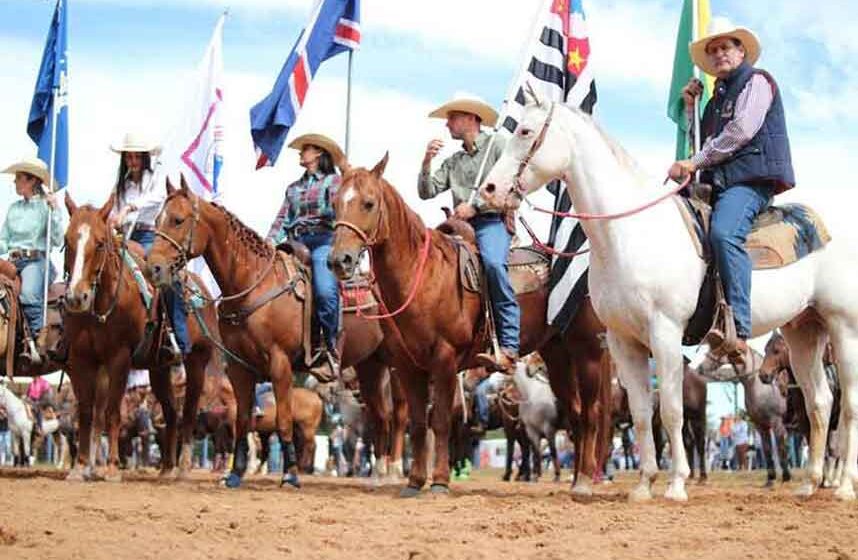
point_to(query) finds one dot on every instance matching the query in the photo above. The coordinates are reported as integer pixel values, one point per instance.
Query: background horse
(538, 411)
(20, 424)
(105, 322)
(307, 413)
(645, 279)
(262, 314)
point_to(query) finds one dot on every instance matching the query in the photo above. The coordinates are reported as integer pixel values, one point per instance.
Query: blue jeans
(32, 273)
(261, 389)
(325, 285)
(481, 396)
(175, 305)
(494, 240)
(733, 214)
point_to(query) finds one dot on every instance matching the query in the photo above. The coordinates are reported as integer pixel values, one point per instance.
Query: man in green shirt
(458, 174)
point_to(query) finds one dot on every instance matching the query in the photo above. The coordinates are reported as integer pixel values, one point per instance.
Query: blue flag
(334, 27)
(44, 115)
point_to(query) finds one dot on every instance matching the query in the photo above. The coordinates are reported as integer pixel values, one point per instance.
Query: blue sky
(130, 60)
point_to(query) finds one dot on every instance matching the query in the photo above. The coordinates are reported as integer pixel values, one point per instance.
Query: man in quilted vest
(745, 157)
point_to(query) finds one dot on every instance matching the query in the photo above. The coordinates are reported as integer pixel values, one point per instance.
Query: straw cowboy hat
(135, 142)
(320, 141)
(32, 166)
(721, 27)
(472, 105)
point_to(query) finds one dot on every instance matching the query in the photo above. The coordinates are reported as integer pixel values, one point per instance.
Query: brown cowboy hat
(721, 27)
(323, 142)
(31, 166)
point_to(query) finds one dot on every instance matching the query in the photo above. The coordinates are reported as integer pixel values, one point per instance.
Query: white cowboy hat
(32, 166)
(320, 141)
(721, 27)
(472, 105)
(135, 142)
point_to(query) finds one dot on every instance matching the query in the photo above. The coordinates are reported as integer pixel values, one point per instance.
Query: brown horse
(307, 412)
(437, 326)
(105, 321)
(261, 314)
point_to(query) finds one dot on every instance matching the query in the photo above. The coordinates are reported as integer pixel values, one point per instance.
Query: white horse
(20, 424)
(645, 275)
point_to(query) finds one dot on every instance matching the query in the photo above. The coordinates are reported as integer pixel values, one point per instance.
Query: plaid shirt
(308, 202)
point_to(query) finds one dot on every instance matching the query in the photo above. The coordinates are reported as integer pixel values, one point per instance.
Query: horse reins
(107, 251)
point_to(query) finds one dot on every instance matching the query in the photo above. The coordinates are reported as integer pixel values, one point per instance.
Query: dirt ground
(42, 516)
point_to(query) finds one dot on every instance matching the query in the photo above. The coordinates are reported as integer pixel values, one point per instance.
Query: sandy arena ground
(44, 517)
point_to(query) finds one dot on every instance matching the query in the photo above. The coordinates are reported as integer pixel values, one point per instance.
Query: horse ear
(183, 182)
(344, 166)
(378, 170)
(170, 188)
(70, 205)
(104, 211)
(530, 95)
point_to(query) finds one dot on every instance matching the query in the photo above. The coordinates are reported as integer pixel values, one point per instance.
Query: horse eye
(99, 245)
(178, 221)
(525, 132)
(368, 205)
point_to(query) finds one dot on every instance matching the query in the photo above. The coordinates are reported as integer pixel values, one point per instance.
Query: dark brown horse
(261, 314)
(105, 322)
(438, 325)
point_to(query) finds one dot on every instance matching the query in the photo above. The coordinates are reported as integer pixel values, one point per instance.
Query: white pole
(536, 31)
(695, 33)
(46, 281)
(349, 105)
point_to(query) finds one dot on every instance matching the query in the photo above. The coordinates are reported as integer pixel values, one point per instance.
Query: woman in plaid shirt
(307, 216)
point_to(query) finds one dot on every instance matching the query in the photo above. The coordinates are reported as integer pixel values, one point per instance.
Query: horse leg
(399, 425)
(666, 347)
(162, 387)
(281, 377)
(552, 450)
(768, 454)
(243, 385)
(416, 385)
(534, 439)
(195, 368)
(510, 451)
(699, 429)
(444, 392)
(117, 374)
(780, 441)
(84, 391)
(845, 342)
(590, 369)
(370, 376)
(633, 371)
(806, 345)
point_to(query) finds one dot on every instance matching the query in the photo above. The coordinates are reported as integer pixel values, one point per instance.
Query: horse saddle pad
(528, 268)
(780, 235)
(143, 286)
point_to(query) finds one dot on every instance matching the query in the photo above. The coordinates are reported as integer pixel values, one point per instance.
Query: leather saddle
(780, 236)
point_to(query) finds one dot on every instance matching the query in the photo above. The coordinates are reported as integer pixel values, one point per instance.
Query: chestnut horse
(261, 315)
(307, 412)
(437, 326)
(104, 323)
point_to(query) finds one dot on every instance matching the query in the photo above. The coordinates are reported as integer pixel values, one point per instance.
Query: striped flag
(334, 28)
(559, 71)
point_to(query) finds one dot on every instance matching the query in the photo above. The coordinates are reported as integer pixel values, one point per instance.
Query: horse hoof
(676, 492)
(290, 479)
(770, 483)
(232, 480)
(439, 489)
(409, 492)
(75, 476)
(641, 493)
(506, 477)
(167, 475)
(806, 490)
(183, 474)
(583, 487)
(846, 493)
(113, 477)
(702, 481)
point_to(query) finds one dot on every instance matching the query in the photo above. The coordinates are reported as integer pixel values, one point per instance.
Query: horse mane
(623, 157)
(244, 233)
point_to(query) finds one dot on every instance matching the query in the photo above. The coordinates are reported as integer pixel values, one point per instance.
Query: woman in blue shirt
(23, 240)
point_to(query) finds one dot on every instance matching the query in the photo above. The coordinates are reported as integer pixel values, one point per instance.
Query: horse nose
(342, 263)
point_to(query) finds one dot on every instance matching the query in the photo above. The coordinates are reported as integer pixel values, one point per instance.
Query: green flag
(683, 71)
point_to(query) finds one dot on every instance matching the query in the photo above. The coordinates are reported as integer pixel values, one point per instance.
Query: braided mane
(250, 238)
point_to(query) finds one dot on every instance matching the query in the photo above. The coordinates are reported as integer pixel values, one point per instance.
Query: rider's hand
(432, 149)
(681, 169)
(465, 211)
(51, 199)
(694, 88)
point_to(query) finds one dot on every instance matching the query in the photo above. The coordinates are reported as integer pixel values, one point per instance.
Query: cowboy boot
(327, 368)
(29, 356)
(504, 362)
(740, 355)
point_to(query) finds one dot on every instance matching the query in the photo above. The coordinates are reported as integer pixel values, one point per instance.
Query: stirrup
(326, 369)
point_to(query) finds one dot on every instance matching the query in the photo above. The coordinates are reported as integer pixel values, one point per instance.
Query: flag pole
(47, 277)
(349, 105)
(510, 92)
(695, 32)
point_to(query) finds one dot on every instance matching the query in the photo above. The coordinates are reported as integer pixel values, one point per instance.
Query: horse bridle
(186, 249)
(368, 242)
(106, 250)
(518, 191)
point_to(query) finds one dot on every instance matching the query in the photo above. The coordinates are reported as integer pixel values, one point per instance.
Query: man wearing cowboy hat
(745, 157)
(22, 239)
(494, 230)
